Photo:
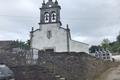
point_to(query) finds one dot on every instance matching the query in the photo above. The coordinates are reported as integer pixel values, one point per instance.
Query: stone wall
(32, 73)
(56, 66)
(74, 66)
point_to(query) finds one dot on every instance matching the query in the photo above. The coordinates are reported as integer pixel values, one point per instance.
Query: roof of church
(80, 42)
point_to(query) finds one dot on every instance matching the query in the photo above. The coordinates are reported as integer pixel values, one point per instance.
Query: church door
(49, 50)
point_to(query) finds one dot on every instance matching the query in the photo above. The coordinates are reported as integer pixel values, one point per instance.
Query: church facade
(51, 36)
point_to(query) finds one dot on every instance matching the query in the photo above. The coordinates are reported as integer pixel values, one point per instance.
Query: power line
(18, 16)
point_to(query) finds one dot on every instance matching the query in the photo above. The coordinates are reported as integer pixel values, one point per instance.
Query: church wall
(76, 46)
(57, 41)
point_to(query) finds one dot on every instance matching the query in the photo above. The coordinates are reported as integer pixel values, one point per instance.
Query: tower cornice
(50, 7)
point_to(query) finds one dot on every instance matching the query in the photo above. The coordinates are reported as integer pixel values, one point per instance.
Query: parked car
(6, 73)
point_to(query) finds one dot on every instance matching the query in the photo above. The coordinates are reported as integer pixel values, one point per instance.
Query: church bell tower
(50, 12)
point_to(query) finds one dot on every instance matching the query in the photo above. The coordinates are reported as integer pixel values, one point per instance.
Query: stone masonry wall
(56, 66)
(74, 66)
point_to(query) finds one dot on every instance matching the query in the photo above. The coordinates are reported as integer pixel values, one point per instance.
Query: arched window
(53, 17)
(46, 17)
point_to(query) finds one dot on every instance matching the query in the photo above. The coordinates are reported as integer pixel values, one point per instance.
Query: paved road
(111, 74)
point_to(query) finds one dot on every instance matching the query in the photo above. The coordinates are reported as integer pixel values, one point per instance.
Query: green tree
(114, 47)
(28, 43)
(118, 38)
(93, 49)
(21, 44)
(105, 44)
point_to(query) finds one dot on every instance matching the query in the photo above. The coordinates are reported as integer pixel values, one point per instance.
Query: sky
(90, 21)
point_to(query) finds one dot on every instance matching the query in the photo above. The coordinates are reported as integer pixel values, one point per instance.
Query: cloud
(95, 19)
(90, 20)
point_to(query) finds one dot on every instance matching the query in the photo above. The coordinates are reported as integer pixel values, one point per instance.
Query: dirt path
(111, 74)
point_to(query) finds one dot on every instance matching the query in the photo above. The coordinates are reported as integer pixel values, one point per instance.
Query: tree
(28, 43)
(118, 38)
(94, 48)
(105, 44)
(21, 44)
(114, 46)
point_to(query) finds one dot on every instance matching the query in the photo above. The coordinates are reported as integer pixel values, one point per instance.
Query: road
(111, 74)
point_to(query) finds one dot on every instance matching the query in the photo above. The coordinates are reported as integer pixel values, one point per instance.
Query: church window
(46, 17)
(53, 17)
(49, 34)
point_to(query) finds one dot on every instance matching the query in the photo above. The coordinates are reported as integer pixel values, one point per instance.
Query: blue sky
(90, 21)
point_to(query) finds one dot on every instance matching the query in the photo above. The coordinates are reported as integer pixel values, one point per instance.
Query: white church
(50, 36)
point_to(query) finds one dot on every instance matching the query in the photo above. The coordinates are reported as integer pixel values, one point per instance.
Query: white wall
(78, 46)
(58, 40)
(117, 58)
